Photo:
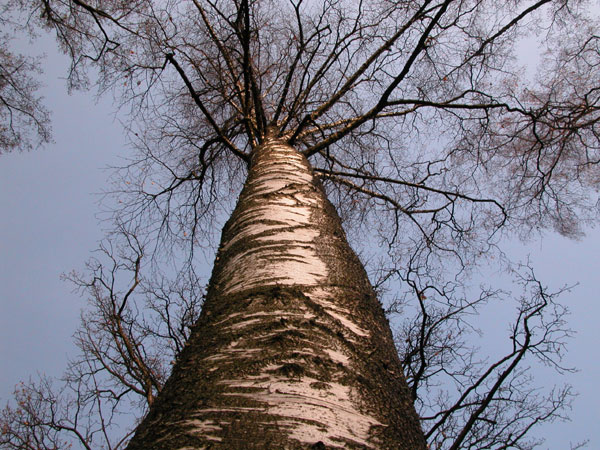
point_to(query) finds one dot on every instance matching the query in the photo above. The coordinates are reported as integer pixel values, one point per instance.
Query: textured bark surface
(292, 349)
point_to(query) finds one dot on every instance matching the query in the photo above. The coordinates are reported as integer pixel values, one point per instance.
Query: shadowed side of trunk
(292, 349)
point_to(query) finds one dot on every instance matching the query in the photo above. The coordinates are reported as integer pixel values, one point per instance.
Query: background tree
(24, 120)
(414, 117)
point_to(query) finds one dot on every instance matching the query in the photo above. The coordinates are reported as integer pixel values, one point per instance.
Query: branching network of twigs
(427, 134)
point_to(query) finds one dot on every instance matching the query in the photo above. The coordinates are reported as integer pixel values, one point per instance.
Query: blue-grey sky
(48, 227)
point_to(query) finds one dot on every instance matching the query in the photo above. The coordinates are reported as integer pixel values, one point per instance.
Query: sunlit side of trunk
(292, 349)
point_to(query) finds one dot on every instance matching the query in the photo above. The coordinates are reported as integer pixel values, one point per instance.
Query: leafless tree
(129, 337)
(426, 138)
(24, 122)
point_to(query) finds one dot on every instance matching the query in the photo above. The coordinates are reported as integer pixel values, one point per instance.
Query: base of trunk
(292, 349)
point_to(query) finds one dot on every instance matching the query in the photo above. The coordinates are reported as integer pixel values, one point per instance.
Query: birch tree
(408, 123)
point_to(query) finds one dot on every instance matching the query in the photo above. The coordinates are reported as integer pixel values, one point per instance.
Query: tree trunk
(292, 349)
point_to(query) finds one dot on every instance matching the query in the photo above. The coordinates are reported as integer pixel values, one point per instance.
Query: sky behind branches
(48, 226)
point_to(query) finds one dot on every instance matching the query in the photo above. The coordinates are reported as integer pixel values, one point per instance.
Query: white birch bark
(292, 349)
